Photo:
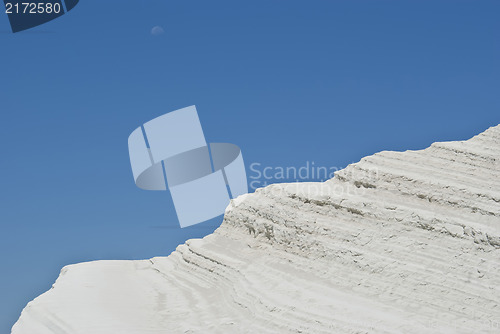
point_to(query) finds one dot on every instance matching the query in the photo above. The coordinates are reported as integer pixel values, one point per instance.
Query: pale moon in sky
(157, 30)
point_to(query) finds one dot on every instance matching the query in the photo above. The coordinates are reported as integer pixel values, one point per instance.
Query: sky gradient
(288, 82)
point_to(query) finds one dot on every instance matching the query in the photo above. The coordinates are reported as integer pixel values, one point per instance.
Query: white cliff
(401, 242)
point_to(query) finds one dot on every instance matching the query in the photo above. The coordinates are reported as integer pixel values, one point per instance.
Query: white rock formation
(401, 242)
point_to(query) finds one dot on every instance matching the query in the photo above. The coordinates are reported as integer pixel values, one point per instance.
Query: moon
(157, 30)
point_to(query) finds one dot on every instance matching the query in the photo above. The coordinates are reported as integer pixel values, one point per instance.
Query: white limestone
(401, 242)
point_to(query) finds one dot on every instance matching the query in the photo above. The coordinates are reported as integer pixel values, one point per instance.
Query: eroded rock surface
(401, 242)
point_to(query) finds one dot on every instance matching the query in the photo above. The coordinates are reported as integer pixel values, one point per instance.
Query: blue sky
(287, 81)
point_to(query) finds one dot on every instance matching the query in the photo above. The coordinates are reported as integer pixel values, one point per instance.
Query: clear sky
(287, 81)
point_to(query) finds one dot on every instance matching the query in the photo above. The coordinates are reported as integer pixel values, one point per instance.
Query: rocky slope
(401, 242)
